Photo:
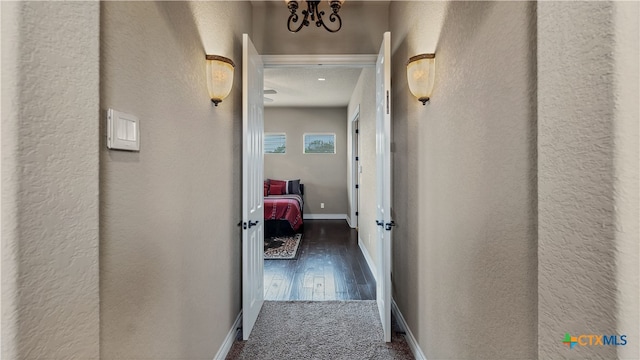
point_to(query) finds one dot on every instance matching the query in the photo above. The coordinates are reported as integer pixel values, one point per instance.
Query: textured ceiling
(300, 87)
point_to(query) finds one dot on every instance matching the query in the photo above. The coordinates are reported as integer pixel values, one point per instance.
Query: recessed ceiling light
(321, 79)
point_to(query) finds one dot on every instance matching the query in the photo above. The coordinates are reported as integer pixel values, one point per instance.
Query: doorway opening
(304, 100)
(317, 144)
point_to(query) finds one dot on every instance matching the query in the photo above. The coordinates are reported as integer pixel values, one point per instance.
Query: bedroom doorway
(320, 222)
(303, 96)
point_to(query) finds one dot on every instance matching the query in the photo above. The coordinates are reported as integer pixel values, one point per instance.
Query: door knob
(253, 223)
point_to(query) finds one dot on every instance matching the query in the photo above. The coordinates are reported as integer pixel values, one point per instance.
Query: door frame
(354, 172)
(325, 61)
(367, 60)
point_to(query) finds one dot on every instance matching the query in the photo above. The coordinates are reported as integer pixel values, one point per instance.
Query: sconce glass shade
(420, 76)
(219, 77)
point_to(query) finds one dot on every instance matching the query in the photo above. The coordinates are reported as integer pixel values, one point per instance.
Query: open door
(383, 183)
(252, 192)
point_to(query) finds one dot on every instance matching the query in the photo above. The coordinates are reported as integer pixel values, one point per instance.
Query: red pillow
(278, 182)
(276, 189)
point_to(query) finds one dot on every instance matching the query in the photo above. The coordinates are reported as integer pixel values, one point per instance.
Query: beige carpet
(333, 330)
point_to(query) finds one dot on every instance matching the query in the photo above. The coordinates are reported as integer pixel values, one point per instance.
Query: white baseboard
(352, 224)
(228, 341)
(367, 256)
(411, 340)
(325, 216)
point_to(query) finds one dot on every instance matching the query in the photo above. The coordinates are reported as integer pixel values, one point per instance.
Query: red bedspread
(284, 207)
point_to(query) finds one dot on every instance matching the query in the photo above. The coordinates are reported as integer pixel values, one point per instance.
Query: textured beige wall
(10, 30)
(588, 176)
(464, 262)
(364, 95)
(324, 175)
(50, 79)
(364, 22)
(170, 248)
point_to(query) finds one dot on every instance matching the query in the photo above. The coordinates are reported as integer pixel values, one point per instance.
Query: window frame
(264, 140)
(304, 147)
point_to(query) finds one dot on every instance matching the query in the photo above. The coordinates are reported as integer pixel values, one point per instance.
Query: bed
(283, 207)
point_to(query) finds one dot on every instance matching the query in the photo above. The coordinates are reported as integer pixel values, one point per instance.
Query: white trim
(354, 169)
(367, 256)
(228, 341)
(357, 60)
(356, 113)
(411, 340)
(325, 217)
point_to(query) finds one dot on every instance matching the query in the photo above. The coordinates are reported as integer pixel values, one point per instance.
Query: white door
(383, 183)
(252, 192)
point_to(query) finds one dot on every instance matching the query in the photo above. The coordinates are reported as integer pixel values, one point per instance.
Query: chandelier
(314, 14)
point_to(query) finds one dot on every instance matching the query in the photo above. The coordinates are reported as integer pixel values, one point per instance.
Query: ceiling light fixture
(420, 76)
(219, 77)
(321, 79)
(312, 11)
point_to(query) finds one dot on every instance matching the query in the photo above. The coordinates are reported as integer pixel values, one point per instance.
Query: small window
(318, 143)
(275, 143)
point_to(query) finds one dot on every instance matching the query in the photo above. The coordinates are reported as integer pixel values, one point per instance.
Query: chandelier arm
(293, 19)
(333, 17)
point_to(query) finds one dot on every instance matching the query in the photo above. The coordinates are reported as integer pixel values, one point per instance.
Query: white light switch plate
(123, 131)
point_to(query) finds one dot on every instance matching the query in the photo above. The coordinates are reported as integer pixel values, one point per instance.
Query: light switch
(123, 131)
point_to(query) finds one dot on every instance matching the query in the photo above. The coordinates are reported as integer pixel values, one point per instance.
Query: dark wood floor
(330, 266)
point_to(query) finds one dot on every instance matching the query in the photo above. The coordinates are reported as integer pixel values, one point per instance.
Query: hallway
(330, 266)
(516, 187)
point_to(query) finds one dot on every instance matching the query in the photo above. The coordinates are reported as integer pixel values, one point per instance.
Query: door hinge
(389, 225)
(357, 131)
(357, 186)
(356, 213)
(387, 102)
(357, 158)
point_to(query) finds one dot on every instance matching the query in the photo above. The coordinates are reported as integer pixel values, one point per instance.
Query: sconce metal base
(216, 102)
(424, 100)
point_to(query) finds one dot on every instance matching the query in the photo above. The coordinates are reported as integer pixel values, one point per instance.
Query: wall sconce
(420, 75)
(219, 77)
